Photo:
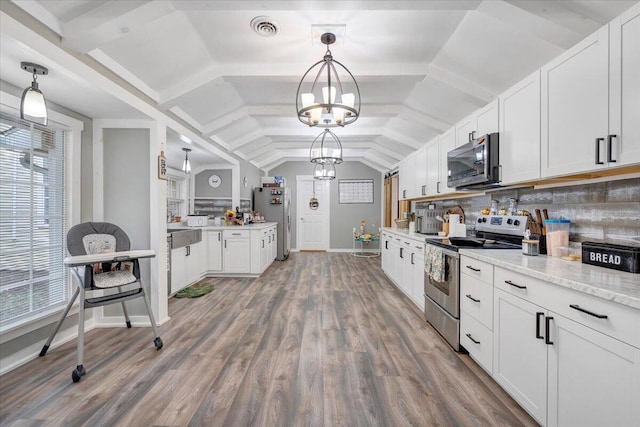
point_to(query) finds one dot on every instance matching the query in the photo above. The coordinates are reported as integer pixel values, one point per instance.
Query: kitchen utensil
(545, 214)
(446, 217)
(439, 218)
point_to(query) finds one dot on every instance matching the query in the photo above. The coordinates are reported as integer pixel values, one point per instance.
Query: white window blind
(32, 220)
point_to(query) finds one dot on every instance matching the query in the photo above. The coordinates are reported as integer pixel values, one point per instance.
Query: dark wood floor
(322, 339)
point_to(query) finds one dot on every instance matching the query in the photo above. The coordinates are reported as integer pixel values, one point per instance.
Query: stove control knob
(516, 222)
(479, 219)
(484, 219)
(509, 221)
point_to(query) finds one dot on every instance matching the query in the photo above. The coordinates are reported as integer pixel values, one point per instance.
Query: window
(174, 197)
(32, 220)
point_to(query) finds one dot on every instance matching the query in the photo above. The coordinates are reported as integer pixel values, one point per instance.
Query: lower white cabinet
(403, 263)
(214, 250)
(236, 251)
(417, 268)
(187, 265)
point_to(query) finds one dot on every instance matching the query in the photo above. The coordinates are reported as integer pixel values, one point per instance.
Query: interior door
(312, 225)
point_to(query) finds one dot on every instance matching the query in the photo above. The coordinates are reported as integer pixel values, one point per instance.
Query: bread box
(197, 220)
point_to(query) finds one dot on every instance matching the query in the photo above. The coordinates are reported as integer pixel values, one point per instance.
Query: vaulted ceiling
(421, 65)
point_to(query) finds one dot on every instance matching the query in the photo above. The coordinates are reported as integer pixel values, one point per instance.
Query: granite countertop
(258, 226)
(617, 286)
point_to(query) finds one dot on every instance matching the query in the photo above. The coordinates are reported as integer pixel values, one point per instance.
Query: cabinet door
(487, 119)
(625, 87)
(178, 269)
(520, 131)
(417, 283)
(587, 369)
(214, 250)
(237, 258)
(421, 173)
(520, 358)
(407, 179)
(575, 107)
(195, 262)
(406, 270)
(433, 167)
(464, 130)
(447, 143)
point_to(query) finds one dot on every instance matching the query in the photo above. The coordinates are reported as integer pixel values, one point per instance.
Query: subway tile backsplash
(602, 212)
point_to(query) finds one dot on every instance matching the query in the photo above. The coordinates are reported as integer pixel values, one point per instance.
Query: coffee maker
(426, 222)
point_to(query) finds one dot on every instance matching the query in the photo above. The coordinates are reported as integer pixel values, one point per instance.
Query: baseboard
(119, 322)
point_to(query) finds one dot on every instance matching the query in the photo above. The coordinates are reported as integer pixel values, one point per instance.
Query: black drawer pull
(471, 338)
(474, 269)
(609, 148)
(472, 298)
(598, 161)
(547, 326)
(412, 254)
(509, 282)
(590, 313)
(538, 316)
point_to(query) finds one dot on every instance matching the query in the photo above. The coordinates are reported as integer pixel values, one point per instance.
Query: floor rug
(195, 291)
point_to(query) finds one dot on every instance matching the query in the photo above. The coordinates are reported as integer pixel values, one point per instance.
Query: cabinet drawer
(236, 234)
(622, 323)
(478, 269)
(476, 298)
(477, 340)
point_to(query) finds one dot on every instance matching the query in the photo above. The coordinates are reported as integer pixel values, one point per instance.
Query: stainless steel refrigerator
(274, 203)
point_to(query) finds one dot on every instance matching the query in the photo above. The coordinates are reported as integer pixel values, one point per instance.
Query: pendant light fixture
(324, 171)
(326, 148)
(186, 165)
(33, 106)
(323, 99)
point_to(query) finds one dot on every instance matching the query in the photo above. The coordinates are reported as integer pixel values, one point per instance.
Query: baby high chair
(101, 260)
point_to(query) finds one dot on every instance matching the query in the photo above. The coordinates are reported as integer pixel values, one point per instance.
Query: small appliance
(475, 165)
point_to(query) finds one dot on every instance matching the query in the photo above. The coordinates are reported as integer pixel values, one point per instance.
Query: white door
(312, 226)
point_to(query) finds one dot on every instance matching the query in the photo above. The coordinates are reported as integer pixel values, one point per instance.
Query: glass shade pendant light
(326, 148)
(186, 165)
(324, 171)
(323, 99)
(33, 106)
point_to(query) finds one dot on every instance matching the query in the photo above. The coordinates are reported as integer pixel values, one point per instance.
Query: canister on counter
(531, 247)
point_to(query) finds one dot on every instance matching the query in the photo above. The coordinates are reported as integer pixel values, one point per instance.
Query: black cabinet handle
(515, 285)
(598, 162)
(219, 234)
(424, 190)
(547, 326)
(471, 338)
(188, 250)
(386, 244)
(438, 187)
(474, 269)
(225, 244)
(610, 148)
(472, 298)
(401, 256)
(590, 313)
(412, 254)
(538, 316)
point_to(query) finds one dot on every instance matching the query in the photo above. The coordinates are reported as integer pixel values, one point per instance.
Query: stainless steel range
(442, 296)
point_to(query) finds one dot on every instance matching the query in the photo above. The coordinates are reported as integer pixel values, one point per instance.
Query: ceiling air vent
(264, 26)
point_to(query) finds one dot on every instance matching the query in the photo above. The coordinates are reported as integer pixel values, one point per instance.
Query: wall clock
(215, 181)
(245, 182)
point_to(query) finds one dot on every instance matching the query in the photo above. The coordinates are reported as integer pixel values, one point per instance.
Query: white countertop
(405, 232)
(612, 285)
(258, 226)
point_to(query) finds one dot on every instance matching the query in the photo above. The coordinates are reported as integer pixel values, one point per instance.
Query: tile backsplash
(601, 212)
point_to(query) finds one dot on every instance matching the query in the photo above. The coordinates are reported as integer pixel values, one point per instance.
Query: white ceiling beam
(426, 119)
(369, 110)
(560, 13)
(36, 10)
(305, 5)
(127, 75)
(376, 163)
(481, 95)
(246, 139)
(401, 138)
(110, 21)
(224, 121)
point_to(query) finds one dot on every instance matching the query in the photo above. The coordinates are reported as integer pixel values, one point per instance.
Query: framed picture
(162, 166)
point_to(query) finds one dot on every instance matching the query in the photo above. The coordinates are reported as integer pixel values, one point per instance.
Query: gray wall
(127, 195)
(343, 216)
(253, 175)
(602, 212)
(203, 189)
(39, 336)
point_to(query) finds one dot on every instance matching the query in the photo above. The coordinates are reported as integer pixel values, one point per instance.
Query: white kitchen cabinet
(385, 254)
(624, 87)
(432, 152)
(593, 378)
(214, 251)
(417, 268)
(195, 261)
(406, 269)
(178, 269)
(480, 122)
(407, 177)
(236, 251)
(421, 173)
(403, 263)
(447, 142)
(187, 265)
(520, 131)
(520, 352)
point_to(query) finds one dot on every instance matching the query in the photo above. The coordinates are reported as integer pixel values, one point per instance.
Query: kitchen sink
(181, 237)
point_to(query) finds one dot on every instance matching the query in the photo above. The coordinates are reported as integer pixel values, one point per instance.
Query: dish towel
(434, 262)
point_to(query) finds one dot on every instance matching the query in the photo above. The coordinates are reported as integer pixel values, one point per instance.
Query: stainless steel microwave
(475, 165)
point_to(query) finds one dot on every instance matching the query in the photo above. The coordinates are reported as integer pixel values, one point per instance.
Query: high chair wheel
(158, 343)
(78, 373)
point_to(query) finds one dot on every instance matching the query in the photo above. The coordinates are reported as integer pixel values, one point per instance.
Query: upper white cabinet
(520, 131)
(591, 101)
(447, 142)
(407, 177)
(481, 122)
(624, 107)
(432, 152)
(421, 172)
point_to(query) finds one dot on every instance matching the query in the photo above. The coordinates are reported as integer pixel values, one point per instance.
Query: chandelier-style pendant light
(33, 106)
(326, 148)
(186, 165)
(324, 171)
(326, 101)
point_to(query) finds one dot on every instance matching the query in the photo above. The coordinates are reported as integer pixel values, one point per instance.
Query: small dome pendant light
(186, 165)
(326, 148)
(340, 104)
(324, 171)
(33, 106)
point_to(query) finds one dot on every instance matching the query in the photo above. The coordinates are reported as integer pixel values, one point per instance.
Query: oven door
(446, 293)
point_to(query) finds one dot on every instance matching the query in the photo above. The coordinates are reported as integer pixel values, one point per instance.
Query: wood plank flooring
(323, 339)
